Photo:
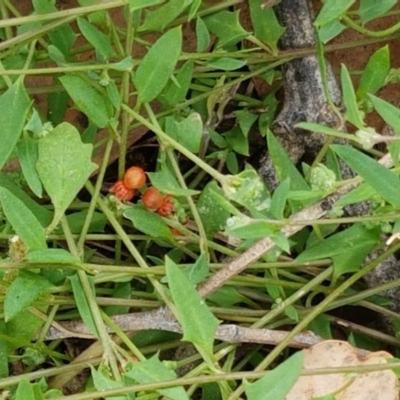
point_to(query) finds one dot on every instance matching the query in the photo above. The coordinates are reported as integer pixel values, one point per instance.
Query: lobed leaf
(226, 26)
(153, 370)
(64, 165)
(265, 23)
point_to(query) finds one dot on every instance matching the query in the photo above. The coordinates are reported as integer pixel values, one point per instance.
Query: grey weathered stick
(304, 94)
(160, 319)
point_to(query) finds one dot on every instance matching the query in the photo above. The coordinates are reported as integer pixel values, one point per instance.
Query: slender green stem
(377, 34)
(93, 201)
(94, 308)
(159, 132)
(73, 12)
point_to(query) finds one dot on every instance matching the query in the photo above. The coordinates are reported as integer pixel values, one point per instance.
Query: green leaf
(276, 384)
(51, 256)
(227, 296)
(226, 63)
(125, 65)
(352, 261)
(203, 36)
(279, 198)
(331, 10)
(249, 229)
(82, 303)
(25, 391)
(194, 8)
(226, 26)
(62, 37)
(102, 382)
(389, 113)
(57, 105)
(174, 94)
(77, 219)
(285, 169)
(371, 9)
(213, 215)
(43, 215)
(158, 19)
(266, 25)
(113, 94)
(361, 193)
(321, 326)
(188, 132)
(24, 223)
(122, 290)
(247, 189)
(90, 101)
(28, 155)
(198, 322)
(353, 114)
(64, 166)
(23, 291)
(165, 182)
(375, 73)
(148, 222)
(135, 5)
(330, 30)
(4, 351)
(197, 272)
(14, 106)
(335, 245)
(284, 165)
(237, 141)
(23, 328)
(100, 41)
(158, 65)
(98, 17)
(384, 182)
(153, 370)
(246, 120)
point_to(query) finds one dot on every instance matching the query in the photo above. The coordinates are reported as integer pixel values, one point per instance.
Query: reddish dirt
(355, 59)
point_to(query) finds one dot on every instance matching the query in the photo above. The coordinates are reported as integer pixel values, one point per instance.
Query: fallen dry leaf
(376, 385)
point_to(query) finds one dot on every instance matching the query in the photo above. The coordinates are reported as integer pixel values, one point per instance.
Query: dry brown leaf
(335, 353)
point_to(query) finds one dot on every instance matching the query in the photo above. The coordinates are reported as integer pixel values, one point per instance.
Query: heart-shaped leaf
(64, 165)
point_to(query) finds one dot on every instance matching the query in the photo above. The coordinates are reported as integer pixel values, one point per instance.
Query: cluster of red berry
(152, 198)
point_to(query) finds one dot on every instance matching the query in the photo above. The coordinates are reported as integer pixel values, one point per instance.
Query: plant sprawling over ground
(131, 134)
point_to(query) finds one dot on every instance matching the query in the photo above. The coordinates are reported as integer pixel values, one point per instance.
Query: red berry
(166, 207)
(152, 199)
(121, 191)
(134, 178)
